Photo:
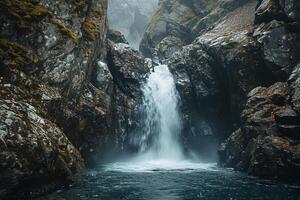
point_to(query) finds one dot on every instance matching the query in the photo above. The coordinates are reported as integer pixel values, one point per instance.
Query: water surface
(164, 180)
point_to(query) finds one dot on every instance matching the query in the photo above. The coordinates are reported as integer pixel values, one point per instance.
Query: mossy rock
(16, 55)
(90, 28)
(24, 10)
(66, 31)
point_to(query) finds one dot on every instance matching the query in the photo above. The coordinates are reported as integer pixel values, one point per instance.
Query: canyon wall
(67, 92)
(236, 68)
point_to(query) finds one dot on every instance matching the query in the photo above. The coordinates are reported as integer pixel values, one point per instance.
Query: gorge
(193, 99)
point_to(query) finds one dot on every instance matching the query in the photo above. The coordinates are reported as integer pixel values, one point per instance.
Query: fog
(131, 17)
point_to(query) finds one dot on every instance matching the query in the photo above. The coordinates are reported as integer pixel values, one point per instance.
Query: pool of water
(164, 180)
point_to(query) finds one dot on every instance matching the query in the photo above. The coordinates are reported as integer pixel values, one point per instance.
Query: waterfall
(159, 136)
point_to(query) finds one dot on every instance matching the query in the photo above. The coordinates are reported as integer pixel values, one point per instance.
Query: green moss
(24, 10)
(91, 25)
(15, 54)
(90, 28)
(39, 11)
(63, 29)
(88, 52)
(98, 11)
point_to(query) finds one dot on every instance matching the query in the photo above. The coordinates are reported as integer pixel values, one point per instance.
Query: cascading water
(158, 137)
(162, 124)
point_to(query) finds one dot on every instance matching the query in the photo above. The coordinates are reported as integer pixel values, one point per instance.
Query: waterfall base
(159, 165)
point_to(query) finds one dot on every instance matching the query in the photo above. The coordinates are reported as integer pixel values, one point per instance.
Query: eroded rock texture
(63, 101)
(235, 47)
(178, 23)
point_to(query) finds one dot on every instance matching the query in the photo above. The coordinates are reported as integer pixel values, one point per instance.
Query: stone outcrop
(33, 151)
(69, 86)
(64, 101)
(178, 23)
(215, 73)
(266, 143)
(116, 36)
(250, 44)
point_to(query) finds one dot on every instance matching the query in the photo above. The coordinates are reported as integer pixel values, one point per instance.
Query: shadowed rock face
(63, 100)
(34, 151)
(68, 94)
(267, 144)
(250, 44)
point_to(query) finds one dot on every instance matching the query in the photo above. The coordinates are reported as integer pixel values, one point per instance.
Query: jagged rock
(168, 46)
(294, 82)
(128, 67)
(59, 65)
(280, 46)
(265, 144)
(268, 10)
(281, 10)
(215, 73)
(116, 36)
(287, 116)
(216, 76)
(33, 152)
(199, 88)
(183, 20)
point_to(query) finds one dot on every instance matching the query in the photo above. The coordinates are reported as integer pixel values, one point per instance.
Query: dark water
(184, 183)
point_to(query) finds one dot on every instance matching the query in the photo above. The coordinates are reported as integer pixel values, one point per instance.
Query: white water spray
(162, 123)
(158, 138)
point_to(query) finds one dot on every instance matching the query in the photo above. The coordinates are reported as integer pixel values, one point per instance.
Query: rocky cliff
(177, 23)
(69, 86)
(67, 93)
(237, 77)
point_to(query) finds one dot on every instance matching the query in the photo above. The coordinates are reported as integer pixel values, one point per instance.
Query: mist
(131, 18)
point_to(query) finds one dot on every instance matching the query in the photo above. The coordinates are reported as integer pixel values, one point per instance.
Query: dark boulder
(33, 152)
(116, 36)
(267, 142)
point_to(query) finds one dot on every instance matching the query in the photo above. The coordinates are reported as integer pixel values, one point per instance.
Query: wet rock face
(267, 144)
(200, 91)
(182, 22)
(33, 151)
(116, 36)
(294, 81)
(47, 64)
(128, 67)
(54, 66)
(255, 45)
(214, 75)
(60, 46)
(285, 10)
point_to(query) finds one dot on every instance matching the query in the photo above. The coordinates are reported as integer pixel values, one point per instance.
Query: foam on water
(135, 166)
(159, 137)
